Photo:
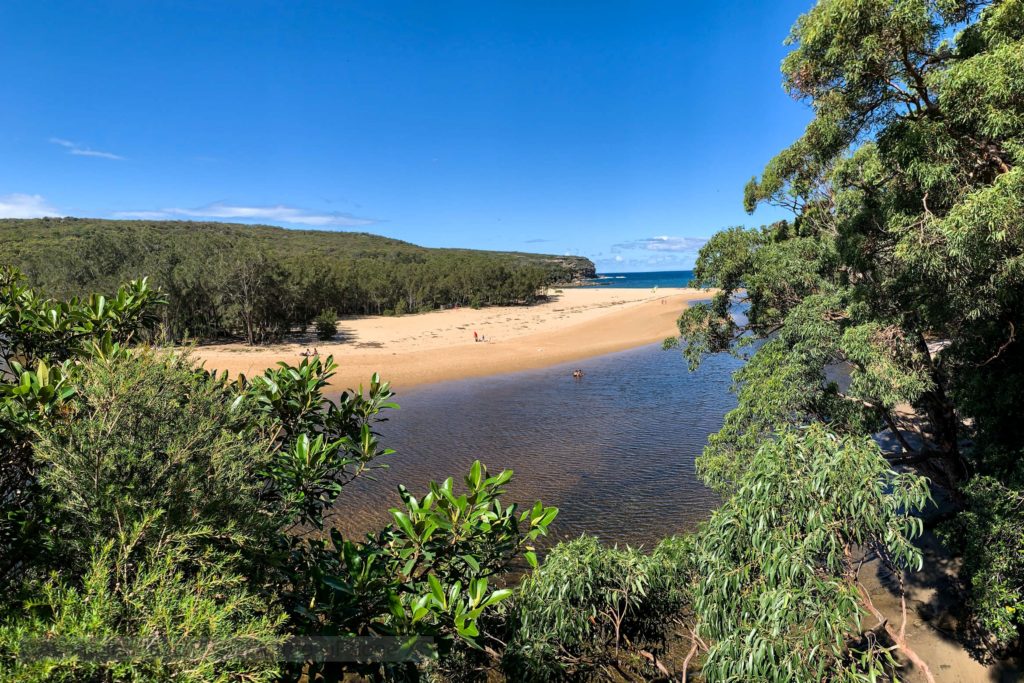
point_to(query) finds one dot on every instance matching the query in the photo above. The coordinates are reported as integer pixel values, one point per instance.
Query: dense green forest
(161, 522)
(259, 282)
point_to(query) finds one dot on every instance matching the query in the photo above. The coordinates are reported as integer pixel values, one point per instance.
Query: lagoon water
(614, 451)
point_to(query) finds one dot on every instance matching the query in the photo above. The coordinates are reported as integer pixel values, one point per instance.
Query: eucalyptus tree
(902, 259)
(900, 268)
(778, 593)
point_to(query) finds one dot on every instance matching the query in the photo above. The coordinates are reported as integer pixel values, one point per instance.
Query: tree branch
(1013, 334)
(894, 429)
(693, 650)
(898, 637)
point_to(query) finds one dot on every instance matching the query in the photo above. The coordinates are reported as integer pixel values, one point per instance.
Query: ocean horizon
(645, 280)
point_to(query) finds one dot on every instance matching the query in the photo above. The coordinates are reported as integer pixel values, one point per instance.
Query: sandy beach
(431, 347)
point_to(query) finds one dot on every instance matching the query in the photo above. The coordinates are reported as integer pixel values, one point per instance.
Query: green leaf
(403, 522)
(472, 562)
(531, 558)
(497, 596)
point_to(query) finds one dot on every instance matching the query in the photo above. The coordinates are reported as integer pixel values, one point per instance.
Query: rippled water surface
(661, 278)
(614, 451)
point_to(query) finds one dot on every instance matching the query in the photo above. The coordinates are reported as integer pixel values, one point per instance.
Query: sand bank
(438, 346)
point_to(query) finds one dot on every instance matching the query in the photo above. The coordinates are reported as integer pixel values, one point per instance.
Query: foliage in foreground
(185, 615)
(590, 606)
(156, 509)
(778, 596)
(767, 590)
(146, 438)
(897, 285)
(990, 537)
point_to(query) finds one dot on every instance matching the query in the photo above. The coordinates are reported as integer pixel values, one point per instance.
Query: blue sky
(622, 131)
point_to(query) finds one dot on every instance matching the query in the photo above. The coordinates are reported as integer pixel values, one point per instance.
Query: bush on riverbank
(989, 535)
(326, 324)
(767, 589)
(590, 606)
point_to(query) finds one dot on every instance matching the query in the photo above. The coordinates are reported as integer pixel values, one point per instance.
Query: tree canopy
(893, 299)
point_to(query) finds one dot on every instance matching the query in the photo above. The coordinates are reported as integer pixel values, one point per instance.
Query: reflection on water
(614, 450)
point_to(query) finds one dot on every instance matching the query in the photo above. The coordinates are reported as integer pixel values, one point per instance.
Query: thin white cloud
(663, 243)
(84, 151)
(26, 206)
(273, 214)
(662, 252)
(663, 261)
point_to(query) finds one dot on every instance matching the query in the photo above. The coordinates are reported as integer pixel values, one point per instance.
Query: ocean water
(614, 451)
(665, 278)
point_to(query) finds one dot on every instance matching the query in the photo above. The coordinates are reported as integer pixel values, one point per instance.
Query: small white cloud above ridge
(664, 243)
(26, 206)
(80, 150)
(279, 213)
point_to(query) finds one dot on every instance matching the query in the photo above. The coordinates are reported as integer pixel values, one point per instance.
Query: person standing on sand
(475, 338)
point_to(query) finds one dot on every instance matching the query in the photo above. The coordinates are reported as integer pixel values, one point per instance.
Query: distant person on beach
(475, 338)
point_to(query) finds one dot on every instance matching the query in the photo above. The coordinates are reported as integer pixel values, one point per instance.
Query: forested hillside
(258, 282)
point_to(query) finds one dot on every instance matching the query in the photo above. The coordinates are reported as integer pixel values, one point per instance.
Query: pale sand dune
(438, 346)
